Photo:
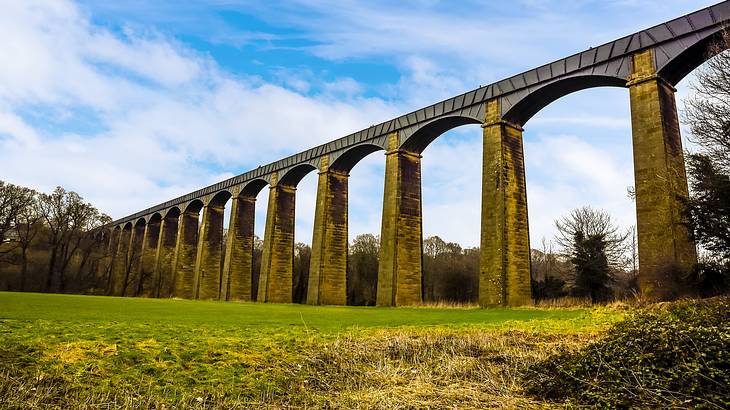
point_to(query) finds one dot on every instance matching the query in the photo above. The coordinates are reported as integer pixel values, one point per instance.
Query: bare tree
(707, 109)
(13, 201)
(595, 247)
(592, 223)
(362, 270)
(68, 219)
(28, 223)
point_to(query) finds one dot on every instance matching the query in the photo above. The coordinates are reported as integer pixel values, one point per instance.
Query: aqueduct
(167, 250)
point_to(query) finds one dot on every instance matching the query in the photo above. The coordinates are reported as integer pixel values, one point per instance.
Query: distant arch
(155, 218)
(426, 134)
(194, 206)
(220, 198)
(293, 176)
(173, 212)
(532, 103)
(348, 159)
(252, 188)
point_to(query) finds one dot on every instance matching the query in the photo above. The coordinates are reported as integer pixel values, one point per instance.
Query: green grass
(61, 351)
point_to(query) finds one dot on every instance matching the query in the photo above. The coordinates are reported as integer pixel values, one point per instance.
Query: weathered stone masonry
(504, 277)
(328, 265)
(238, 262)
(164, 258)
(401, 239)
(665, 249)
(275, 280)
(185, 253)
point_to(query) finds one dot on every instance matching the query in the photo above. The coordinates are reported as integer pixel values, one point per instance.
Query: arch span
(173, 212)
(155, 218)
(426, 134)
(252, 188)
(194, 206)
(531, 104)
(293, 176)
(676, 69)
(348, 159)
(220, 198)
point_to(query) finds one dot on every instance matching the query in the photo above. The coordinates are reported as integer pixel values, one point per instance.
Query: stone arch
(185, 257)
(536, 100)
(683, 63)
(173, 212)
(348, 159)
(194, 206)
(164, 268)
(252, 188)
(238, 279)
(427, 133)
(294, 175)
(220, 198)
(155, 218)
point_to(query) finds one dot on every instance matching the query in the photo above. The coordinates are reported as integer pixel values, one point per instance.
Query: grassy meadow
(70, 351)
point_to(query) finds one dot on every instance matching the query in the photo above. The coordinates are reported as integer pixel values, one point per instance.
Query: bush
(671, 355)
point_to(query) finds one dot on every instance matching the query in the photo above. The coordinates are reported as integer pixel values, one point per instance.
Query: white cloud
(163, 117)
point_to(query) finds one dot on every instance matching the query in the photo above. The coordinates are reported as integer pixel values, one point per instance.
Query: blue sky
(133, 103)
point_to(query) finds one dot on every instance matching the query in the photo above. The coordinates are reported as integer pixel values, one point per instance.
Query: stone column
(401, 240)
(164, 258)
(209, 253)
(131, 275)
(238, 263)
(114, 261)
(275, 281)
(504, 274)
(328, 267)
(147, 284)
(665, 248)
(185, 253)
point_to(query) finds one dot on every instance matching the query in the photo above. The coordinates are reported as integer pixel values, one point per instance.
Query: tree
(28, 223)
(68, 219)
(258, 251)
(450, 273)
(14, 200)
(595, 248)
(709, 207)
(707, 112)
(300, 276)
(362, 270)
(548, 271)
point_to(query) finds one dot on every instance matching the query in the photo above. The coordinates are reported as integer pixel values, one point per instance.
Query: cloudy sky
(133, 103)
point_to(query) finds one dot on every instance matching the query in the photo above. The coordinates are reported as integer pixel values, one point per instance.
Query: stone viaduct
(169, 250)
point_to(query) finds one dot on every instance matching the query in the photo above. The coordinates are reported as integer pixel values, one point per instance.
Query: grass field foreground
(69, 351)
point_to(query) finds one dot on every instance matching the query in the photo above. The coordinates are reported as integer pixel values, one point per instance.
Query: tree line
(48, 242)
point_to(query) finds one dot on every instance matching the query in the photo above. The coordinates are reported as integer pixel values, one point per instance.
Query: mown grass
(67, 351)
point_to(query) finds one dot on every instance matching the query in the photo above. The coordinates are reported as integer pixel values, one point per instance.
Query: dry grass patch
(422, 369)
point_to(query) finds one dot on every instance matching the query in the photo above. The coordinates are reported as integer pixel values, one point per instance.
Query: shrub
(668, 355)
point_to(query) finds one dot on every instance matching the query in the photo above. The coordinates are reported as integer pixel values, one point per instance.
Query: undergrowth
(672, 355)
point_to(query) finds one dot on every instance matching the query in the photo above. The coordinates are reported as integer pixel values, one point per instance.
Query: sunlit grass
(82, 351)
